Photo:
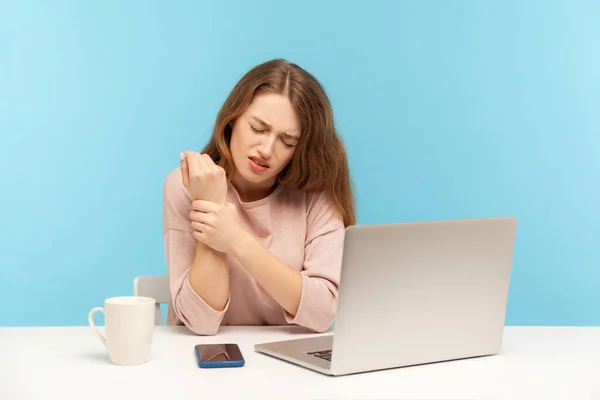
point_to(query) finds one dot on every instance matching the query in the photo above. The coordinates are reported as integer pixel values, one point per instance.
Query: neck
(250, 192)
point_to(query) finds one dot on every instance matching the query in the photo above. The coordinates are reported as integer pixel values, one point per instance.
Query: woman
(254, 225)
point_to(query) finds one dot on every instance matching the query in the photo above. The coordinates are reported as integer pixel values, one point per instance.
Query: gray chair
(155, 287)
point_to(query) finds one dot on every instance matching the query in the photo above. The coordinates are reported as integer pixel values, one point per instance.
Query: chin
(251, 177)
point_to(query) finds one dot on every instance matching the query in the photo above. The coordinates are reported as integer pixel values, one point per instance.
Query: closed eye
(256, 129)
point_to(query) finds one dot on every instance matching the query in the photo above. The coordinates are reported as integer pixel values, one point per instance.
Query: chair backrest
(156, 287)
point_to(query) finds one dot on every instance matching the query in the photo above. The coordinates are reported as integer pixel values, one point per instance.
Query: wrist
(202, 247)
(241, 244)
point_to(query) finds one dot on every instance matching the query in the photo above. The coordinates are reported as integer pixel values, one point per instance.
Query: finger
(202, 221)
(205, 206)
(209, 161)
(214, 167)
(199, 216)
(198, 227)
(192, 164)
(204, 166)
(198, 236)
(185, 174)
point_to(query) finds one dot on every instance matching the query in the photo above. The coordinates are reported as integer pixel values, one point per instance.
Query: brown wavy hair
(319, 162)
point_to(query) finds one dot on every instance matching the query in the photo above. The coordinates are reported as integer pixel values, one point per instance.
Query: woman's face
(263, 142)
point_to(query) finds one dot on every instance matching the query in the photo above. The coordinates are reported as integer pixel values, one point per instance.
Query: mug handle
(93, 325)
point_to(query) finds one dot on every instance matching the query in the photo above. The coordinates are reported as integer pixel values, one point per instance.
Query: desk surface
(70, 363)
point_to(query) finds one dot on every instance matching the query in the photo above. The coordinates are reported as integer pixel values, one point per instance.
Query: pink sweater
(301, 229)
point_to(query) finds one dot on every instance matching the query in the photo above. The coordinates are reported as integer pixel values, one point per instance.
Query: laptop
(413, 293)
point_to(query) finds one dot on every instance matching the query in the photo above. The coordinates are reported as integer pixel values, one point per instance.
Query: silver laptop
(413, 293)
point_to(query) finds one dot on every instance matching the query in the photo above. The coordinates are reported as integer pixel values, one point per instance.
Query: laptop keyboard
(323, 354)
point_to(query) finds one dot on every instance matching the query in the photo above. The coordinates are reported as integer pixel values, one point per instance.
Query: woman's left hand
(215, 225)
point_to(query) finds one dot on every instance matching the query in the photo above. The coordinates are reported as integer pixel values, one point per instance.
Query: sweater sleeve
(180, 248)
(322, 266)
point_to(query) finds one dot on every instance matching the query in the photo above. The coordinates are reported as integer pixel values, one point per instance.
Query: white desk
(70, 363)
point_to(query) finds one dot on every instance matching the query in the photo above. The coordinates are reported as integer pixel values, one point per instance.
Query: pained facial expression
(263, 141)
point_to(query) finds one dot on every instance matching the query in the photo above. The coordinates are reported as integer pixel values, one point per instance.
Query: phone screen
(218, 352)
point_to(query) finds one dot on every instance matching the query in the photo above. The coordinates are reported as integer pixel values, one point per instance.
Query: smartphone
(219, 355)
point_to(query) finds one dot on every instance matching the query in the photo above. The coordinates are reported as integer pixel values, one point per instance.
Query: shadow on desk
(284, 329)
(96, 357)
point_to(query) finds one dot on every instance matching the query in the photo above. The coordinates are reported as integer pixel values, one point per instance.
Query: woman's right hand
(202, 178)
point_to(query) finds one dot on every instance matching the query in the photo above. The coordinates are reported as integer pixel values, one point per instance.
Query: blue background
(449, 110)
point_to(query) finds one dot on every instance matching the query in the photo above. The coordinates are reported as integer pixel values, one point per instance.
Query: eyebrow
(260, 121)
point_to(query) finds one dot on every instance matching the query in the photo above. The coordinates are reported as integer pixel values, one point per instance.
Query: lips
(260, 161)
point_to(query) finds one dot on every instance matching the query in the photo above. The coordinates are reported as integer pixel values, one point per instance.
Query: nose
(265, 150)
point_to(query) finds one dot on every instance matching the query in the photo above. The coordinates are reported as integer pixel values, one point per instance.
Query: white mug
(129, 327)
